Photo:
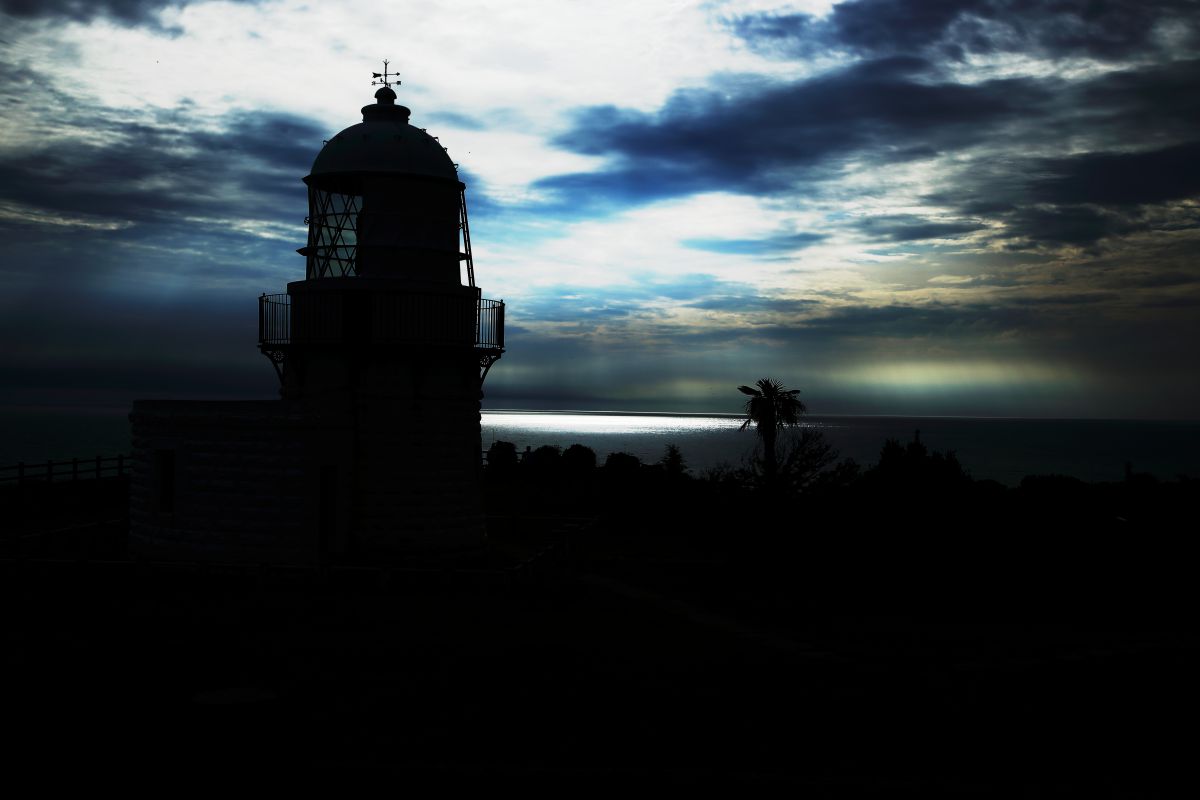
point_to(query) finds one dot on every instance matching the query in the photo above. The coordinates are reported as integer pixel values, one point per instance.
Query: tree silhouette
(673, 462)
(622, 465)
(544, 462)
(578, 461)
(771, 408)
(501, 459)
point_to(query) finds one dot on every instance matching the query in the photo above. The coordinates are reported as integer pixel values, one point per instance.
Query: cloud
(957, 188)
(1079, 200)
(1037, 159)
(123, 12)
(772, 245)
(153, 188)
(781, 140)
(1111, 30)
(454, 119)
(755, 303)
(564, 302)
(767, 137)
(1145, 279)
(149, 169)
(1075, 225)
(1120, 179)
(910, 227)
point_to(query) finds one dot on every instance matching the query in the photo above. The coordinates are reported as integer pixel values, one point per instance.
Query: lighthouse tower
(381, 351)
(389, 331)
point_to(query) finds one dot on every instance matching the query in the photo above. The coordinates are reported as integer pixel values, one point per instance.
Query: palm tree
(771, 407)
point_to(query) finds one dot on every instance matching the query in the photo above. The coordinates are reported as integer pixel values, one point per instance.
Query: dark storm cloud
(1143, 279)
(143, 171)
(1131, 132)
(1081, 199)
(911, 228)
(912, 321)
(1110, 30)
(1072, 225)
(786, 139)
(1185, 302)
(1147, 104)
(754, 303)
(177, 195)
(1120, 179)
(125, 12)
(1144, 126)
(768, 138)
(1081, 299)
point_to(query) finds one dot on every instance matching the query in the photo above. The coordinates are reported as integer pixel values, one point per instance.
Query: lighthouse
(381, 351)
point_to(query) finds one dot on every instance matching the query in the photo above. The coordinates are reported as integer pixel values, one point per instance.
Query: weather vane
(384, 78)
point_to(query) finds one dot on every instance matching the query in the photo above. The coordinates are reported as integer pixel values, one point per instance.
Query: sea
(1002, 449)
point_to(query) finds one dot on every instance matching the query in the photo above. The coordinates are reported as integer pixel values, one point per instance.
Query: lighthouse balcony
(429, 319)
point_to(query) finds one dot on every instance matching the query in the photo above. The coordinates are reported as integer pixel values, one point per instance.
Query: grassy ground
(640, 663)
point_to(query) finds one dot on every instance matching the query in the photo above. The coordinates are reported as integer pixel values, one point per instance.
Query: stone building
(381, 352)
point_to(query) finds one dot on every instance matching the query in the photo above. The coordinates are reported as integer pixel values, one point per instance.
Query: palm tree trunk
(769, 465)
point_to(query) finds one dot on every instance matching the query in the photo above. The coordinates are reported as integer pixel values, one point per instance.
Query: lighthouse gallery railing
(414, 317)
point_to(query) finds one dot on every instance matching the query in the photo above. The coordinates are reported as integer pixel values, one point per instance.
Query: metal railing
(386, 318)
(489, 324)
(72, 470)
(274, 318)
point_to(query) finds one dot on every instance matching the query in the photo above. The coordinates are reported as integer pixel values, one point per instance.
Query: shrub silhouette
(544, 462)
(914, 466)
(621, 465)
(578, 461)
(502, 458)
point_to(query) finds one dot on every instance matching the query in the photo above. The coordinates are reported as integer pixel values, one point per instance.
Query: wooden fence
(74, 469)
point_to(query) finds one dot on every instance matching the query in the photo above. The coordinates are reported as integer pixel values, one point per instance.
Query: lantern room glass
(332, 233)
(365, 232)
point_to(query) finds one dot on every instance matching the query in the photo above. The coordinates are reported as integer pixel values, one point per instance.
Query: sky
(971, 207)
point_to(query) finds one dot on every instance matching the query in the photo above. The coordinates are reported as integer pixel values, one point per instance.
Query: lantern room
(388, 260)
(384, 200)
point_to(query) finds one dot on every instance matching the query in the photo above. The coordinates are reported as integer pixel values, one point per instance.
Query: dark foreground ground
(644, 649)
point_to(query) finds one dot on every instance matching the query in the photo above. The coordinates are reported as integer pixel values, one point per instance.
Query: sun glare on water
(613, 424)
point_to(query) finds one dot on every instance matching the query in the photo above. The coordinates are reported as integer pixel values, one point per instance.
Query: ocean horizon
(1005, 449)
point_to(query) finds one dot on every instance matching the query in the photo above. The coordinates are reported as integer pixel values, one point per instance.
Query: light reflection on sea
(705, 440)
(608, 424)
(1002, 449)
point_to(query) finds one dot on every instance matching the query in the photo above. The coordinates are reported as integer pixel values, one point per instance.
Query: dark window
(164, 479)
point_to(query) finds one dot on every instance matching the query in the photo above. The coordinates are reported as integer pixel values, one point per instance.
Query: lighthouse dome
(383, 143)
